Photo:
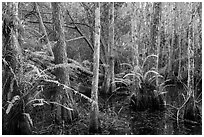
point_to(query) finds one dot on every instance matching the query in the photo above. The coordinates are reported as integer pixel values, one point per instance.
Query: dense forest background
(93, 68)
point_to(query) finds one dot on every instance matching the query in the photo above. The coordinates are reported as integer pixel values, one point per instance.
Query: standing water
(159, 123)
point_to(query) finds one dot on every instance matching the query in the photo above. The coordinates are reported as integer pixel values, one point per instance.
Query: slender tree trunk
(191, 54)
(158, 49)
(106, 50)
(179, 67)
(174, 40)
(134, 36)
(134, 30)
(62, 95)
(170, 48)
(154, 29)
(44, 32)
(112, 58)
(179, 45)
(154, 24)
(158, 39)
(147, 19)
(191, 111)
(109, 71)
(94, 125)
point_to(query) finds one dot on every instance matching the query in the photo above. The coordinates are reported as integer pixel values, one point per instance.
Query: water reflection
(158, 123)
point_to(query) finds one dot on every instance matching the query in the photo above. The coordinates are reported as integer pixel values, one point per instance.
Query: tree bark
(158, 46)
(12, 53)
(112, 56)
(62, 95)
(109, 69)
(179, 46)
(174, 40)
(12, 67)
(191, 54)
(94, 125)
(154, 26)
(134, 32)
(154, 29)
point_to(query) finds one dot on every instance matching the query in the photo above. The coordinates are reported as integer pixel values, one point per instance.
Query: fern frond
(154, 78)
(156, 56)
(124, 81)
(140, 75)
(129, 74)
(150, 71)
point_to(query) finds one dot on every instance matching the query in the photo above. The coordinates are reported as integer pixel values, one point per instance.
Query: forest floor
(115, 119)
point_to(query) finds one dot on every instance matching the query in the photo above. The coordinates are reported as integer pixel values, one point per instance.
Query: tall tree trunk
(12, 52)
(154, 24)
(111, 36)
(12, 63)
(94, 125)
(158, 47)
(170, 50)
(191, 54)
(154, 29)
(191, 111)
(174, 40)
(62, 95)
(109, 70)
(179, 56)
(179, 44)
(147, 20)
(134, 36)
(134, 32)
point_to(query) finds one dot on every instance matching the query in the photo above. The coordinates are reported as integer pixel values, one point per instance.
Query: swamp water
(155, 123)
(159, 123)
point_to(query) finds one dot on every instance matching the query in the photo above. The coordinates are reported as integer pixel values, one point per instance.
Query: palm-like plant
(139, 75)
(142, 84)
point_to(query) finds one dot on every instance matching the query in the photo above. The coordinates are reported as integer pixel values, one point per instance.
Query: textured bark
(12, 60)
(134, 36)
(171, 44)
(112, 58)
(109, 71)
(191, 54)
(154, 30)
(158, 49)
(12, 52)
(155, 33)
(179, 45)
(63, 96)
(134, 31)
(154, 26)
(94, 120)
(174, 39)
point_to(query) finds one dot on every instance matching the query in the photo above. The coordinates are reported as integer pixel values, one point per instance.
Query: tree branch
(90, 45)
(44, 31)
(47, 22)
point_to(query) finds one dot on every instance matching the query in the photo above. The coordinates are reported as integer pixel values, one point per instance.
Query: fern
(138, 73)
(148, 72)
(148, 58)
